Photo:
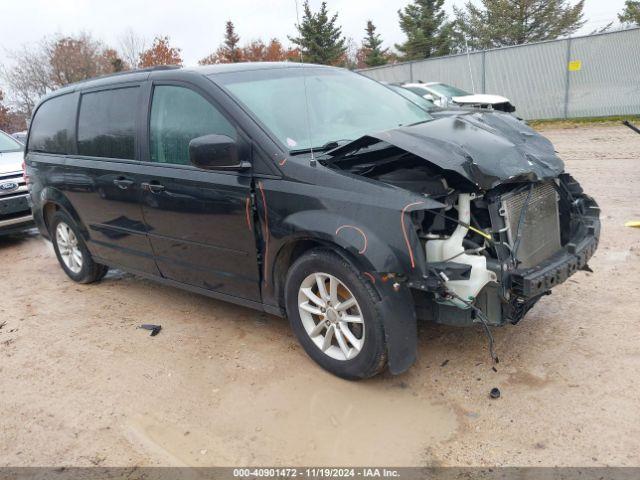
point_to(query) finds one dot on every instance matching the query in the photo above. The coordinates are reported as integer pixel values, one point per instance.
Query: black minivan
(309, 192)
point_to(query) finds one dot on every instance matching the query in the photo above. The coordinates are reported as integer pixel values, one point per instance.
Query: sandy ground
(224, 385)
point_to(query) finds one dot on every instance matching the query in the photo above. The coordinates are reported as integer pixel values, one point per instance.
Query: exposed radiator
(540, 229)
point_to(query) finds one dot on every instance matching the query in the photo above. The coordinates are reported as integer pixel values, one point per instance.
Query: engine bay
(482, 247)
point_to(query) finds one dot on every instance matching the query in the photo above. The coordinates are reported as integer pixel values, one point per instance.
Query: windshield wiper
(324, 148)
(417, 123)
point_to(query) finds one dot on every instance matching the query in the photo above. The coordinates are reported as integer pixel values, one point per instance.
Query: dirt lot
(224, 385)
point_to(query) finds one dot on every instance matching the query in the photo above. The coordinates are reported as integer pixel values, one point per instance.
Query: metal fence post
(484, 71)
(410, 72)
(567, 78)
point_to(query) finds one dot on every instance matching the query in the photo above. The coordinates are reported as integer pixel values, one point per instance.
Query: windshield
(414, 97)
(8, 144)
(339, 105)
(448, 91)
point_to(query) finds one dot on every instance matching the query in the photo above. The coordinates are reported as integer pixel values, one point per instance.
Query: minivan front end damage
(504, 250)
(513, 225)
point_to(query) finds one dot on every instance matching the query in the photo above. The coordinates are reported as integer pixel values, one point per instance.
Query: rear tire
(72, 251)
(332, 309)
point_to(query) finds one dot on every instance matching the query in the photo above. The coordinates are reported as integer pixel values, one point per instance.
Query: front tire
(72, 251)
(332, 310)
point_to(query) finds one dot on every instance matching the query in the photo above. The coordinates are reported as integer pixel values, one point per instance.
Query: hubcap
(68, 247)
(331, 316)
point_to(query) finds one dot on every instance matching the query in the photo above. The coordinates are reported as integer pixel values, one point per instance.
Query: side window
(107, 123)
(418, 91)
(178, 115)
(53, 126)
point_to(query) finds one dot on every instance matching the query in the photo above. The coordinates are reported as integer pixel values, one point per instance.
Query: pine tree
(631, 12)
(374, 55)
(230, 49)
(499, 23)
(319, 38)
(425, 24)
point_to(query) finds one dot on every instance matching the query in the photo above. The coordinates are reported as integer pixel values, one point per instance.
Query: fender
(400, 325)
(374, 257)
(55, 196)
(399, 319)
(375, 228)
(367, 222)
(348, 233)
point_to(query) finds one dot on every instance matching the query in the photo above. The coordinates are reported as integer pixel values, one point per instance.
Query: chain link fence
(592, 76)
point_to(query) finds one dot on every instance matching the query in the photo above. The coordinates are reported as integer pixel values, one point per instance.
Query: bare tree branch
(131, 46)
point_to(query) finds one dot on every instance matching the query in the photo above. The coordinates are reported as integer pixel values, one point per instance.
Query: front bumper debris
(519, 279)
(541, 278)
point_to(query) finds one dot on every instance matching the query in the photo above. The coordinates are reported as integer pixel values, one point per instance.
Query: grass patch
(581, 122)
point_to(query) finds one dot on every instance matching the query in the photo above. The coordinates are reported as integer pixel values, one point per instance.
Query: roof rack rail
(141, 70)
(151, 69)
(127, 72)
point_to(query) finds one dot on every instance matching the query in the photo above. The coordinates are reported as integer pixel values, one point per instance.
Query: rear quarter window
(107, 123)
(53, 125)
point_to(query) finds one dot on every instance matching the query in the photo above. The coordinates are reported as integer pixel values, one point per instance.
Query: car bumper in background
(15, 214)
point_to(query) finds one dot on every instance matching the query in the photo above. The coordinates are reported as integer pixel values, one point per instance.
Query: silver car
(444, 95)
(15, 212)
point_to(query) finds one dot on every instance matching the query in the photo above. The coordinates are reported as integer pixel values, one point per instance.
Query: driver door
(196, 218)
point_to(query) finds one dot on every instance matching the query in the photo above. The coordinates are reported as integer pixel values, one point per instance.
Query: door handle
(123, 183)
(153, 187)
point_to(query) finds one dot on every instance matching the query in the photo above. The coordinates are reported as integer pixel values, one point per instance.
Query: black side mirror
(216, 152)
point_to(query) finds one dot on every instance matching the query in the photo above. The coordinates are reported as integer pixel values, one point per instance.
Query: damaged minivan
(309, 192)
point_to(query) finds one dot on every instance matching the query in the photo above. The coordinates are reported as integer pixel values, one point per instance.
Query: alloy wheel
(331, 316)
(68, 247)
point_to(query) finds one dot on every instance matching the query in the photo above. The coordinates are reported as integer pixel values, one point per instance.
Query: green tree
(428, 31)
(631, 12)
(374, 55)
(230, 49)
(319, 37)
(499, 23)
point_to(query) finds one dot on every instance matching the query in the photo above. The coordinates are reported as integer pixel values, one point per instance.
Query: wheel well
(48, 211)
(286, 256)
(290, 253)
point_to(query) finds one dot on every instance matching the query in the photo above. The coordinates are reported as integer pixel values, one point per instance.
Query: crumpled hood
(11, 162)
(486, 148)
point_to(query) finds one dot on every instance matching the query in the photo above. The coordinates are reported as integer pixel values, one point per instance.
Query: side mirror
(216, 152)
(428, 96)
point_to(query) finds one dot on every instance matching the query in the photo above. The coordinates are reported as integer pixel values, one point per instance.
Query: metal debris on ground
(495, 392)
(155, 329)
(627, 123)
